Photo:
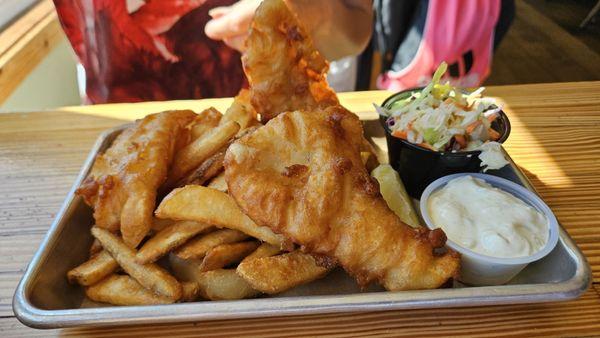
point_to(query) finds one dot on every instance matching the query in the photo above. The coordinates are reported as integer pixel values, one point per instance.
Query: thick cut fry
(202, 204)
(151, 276)
(264, 250)
(96, 268)
(226, 254)
(224, 284)
(200, 149)
(218, 183)
(241, 111)
(205, 121)
(279, 273)
(215, 285)
(95, 248)
(191, 291)
(124, 290)
(197, 248)
(158, 224)
(169, 239)
(186, 270)
(207, 170)
(213, 165)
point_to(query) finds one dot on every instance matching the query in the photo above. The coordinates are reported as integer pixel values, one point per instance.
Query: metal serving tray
(44, 298)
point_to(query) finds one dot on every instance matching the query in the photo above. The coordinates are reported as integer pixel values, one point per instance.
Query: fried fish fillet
(284, 69)
(301, 174)
(123, 183)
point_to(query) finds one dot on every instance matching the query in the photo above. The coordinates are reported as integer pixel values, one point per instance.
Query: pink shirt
(453, 28)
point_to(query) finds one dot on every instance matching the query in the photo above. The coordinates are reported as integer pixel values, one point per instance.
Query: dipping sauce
(487, 220)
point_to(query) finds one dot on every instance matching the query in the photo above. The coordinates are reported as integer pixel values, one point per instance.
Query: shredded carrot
(400, 134)
(492, 117)
(472, 126)
(494, 135)
(460, 139)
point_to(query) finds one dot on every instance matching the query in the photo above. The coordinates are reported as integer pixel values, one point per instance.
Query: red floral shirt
(135, 50)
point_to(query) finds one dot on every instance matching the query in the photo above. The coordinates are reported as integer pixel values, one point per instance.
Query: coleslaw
(443, 118)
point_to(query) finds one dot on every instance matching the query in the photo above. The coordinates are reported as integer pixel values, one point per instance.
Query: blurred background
(548, 41)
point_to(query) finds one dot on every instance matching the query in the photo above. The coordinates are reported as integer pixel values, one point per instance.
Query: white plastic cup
(478, 269)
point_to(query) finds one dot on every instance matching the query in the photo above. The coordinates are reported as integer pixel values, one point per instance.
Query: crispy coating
(124, 290)
(150, 276)
(123, 183)
(93, 270)
(276, 274)
(284, 69)
(301, 174)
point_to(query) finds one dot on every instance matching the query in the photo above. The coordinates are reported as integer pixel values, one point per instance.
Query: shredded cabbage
(444, 117)
(491, 156)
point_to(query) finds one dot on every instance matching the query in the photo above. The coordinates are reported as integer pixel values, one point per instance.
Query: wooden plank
(25, 43)
(16, 251)
(582, 222)
(575, 95)
(580, 317)
(591, 249)
(10, 35)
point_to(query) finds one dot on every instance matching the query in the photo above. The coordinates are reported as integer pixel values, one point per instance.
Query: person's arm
(338, 27)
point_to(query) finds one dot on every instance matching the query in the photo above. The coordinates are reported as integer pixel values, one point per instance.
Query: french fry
(186, 270)
(96, 268)
(200, 149)
(224, 284)
(226, 254)
(95, 248)
(151, 276)
(219, 183)
(190, 291)
(241, 111)
(279, 273)
(205, 121)
(264, 250)
(169, 239)
(207, 170)
(158, 224)
(213, 165)
(202, 204)
(197, 248)
(123, 290)
(221, 284)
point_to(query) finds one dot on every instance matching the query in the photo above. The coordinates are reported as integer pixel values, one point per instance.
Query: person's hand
(230, 24)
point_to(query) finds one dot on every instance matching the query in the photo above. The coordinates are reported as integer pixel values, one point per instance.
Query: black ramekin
(419, 166)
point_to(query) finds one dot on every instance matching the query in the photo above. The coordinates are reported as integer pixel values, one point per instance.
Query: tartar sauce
(487, 220)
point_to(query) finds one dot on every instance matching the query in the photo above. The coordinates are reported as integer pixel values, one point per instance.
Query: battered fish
(284, 69)
(301, 175)
(123, 182)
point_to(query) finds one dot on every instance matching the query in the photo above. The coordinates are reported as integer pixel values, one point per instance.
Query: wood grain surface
(555, 139)
(24, 44)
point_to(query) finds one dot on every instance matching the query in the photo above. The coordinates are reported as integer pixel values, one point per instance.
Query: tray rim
(35, 317)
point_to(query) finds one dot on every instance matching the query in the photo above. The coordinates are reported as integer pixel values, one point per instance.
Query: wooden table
(555, 139)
